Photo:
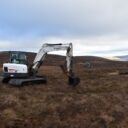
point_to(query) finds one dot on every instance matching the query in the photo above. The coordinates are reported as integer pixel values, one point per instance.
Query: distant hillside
(4, 57)
(59, 60)
(50, 59)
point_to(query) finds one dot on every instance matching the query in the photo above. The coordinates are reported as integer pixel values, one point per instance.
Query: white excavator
(17, 72)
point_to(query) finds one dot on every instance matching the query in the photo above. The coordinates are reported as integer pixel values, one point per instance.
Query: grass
(100, 101)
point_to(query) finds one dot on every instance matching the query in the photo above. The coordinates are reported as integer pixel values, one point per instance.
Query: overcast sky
(95, 27)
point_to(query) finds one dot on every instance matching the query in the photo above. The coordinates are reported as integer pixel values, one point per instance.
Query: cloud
(110, 47)
(65, 18)
(93, 26)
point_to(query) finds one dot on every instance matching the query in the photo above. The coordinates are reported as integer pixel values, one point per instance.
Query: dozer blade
(73, 81)
(29, 81)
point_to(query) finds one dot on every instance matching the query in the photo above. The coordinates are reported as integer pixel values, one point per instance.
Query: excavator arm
(53, 47)
(68, 70)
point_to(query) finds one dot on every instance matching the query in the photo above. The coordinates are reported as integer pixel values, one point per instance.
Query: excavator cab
(17, 57)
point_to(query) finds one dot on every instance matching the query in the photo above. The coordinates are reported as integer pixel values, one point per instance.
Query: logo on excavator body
(12, 70)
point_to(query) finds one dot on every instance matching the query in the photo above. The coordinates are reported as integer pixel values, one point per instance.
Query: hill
(58, 59)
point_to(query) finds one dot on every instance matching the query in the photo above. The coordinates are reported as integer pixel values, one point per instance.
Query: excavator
(18, 72)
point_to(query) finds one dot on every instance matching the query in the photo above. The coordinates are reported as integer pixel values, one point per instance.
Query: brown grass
(100, 100)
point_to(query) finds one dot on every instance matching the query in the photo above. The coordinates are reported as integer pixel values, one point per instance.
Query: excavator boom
(53, 47)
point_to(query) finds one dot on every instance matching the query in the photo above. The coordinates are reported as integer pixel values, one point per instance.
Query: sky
(95, 27)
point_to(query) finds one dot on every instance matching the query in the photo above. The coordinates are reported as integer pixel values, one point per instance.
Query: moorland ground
(99, 101)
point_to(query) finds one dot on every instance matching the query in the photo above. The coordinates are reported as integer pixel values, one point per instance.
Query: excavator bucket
(73, 81)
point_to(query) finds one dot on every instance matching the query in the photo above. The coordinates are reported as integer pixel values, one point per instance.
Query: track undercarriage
(73, 81)
(25, 81)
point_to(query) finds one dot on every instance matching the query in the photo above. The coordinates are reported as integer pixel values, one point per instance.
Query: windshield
(18, 58)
